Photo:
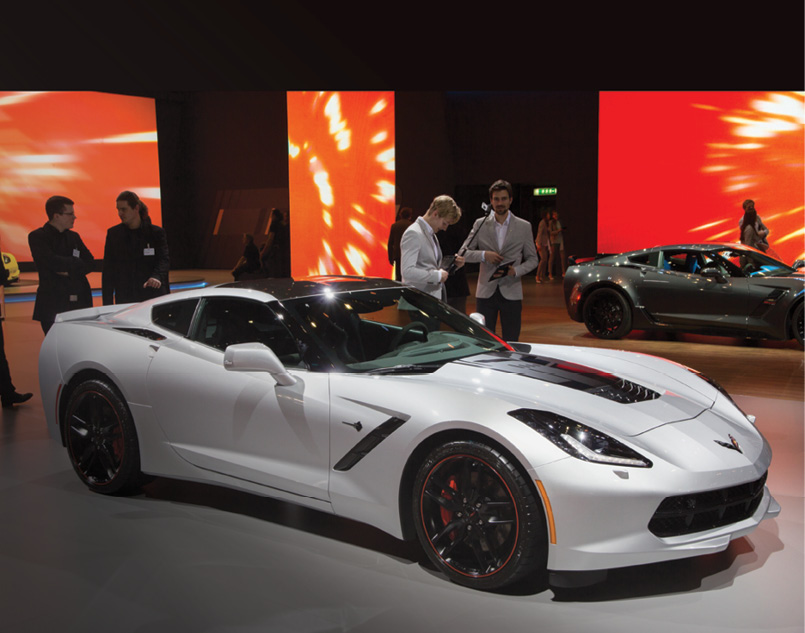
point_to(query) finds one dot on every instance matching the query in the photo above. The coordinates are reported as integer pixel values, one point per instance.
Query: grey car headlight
(579, 440)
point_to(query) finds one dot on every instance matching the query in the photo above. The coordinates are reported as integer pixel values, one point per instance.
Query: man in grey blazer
(504, 246)
(421, 253)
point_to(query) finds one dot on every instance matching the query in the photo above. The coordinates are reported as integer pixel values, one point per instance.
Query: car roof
(311, 286)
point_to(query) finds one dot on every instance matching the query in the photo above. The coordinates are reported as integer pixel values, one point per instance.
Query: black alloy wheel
(101, 439)
(477, 518)
(797, 324)
(607, 314)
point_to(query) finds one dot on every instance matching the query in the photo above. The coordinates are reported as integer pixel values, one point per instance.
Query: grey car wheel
(607, 314)
(797, 324)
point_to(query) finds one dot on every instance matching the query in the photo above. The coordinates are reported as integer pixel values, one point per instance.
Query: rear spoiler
(89, 314)
(573, 260)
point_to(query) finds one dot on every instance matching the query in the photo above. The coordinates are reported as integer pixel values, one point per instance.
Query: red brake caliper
(447, 515)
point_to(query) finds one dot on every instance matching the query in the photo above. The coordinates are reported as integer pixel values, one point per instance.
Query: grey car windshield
(746, 263)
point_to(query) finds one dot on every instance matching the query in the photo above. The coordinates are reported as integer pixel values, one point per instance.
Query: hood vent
(564, 373)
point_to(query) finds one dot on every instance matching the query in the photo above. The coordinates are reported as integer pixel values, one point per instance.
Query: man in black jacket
(8, 392)
(62, 262)
(136, 262)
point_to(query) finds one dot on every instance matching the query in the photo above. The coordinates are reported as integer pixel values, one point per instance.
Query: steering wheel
(413, 325)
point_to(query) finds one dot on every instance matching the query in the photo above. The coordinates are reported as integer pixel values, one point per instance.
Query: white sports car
(374, 401)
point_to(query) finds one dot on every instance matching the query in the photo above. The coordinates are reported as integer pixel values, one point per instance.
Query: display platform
(183, 556)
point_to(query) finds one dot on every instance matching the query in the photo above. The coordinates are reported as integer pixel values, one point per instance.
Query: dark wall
(531, 139)
(218, 148)
(224, 150)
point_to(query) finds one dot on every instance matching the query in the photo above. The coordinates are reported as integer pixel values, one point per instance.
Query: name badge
(76, 253)
(148, 251)
(73, 297)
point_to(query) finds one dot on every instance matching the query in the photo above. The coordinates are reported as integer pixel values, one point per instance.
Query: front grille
(686, 514)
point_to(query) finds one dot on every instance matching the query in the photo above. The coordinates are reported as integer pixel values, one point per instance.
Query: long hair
(133, 200)
(749, 219)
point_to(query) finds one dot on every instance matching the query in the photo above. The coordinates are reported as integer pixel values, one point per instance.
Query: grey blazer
(518, 248)
(421, 256)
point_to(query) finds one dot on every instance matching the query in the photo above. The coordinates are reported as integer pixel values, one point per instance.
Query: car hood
(621, 392)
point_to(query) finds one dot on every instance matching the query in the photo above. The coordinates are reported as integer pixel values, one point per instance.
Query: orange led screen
(674, 167)
(341, 182)
(88, 146)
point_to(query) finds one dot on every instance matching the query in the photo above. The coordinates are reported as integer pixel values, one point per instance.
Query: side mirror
(257, 357)
(713, 272)
(478, 318)
(800, 263)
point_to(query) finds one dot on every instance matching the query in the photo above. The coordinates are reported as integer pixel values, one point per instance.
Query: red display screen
(341, 182)
(88, 146)
(675, 167)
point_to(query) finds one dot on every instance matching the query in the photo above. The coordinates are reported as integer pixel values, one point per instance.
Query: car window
(747, 263)
(681, 261)
(226, 321)
(175, 316)
(375, 330)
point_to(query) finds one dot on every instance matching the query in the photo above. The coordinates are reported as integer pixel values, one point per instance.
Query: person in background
(557, 246)
(249, 262)
(8, 393)
(275, 259)
(395, 236)
(753, 232)
(456, 286)
(543, 244)
(136, 262)
(504, 245)
(62, 262)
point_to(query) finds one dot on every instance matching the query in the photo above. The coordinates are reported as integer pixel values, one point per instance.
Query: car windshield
(392, 330)
(745, 263)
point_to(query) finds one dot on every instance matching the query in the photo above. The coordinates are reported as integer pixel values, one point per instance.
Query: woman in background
(543, 244)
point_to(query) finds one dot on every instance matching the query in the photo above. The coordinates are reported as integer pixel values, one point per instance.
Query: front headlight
(579, 440)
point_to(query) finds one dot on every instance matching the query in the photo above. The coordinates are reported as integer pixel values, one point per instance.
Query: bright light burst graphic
(89, 146)
(761, 157)
(674, 167)
(341, 181)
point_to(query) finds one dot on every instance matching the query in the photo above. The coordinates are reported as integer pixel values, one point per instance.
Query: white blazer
(421, 257)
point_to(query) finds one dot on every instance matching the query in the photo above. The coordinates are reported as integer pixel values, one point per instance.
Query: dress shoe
(15, 398)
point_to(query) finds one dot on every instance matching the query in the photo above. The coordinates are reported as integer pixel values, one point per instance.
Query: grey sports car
(725, 289)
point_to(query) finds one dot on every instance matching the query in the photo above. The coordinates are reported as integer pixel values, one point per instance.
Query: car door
(243, 424)
(673, 293)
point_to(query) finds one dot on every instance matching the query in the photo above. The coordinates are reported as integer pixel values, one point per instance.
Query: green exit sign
(545, 191)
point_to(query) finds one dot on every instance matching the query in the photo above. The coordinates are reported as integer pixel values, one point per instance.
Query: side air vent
(149, 334)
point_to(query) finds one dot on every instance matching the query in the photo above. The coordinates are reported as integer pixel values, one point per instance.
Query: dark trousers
(510, 311)
(6, 386)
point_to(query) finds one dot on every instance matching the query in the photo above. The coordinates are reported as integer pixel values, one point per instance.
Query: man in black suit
(62, 262)
(8, 392)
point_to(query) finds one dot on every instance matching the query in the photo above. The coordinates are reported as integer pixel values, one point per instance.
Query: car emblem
(733, 446)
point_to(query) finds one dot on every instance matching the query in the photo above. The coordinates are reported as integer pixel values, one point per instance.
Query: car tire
(477, 518)
(797, 323)
(102, 440)
(607, 314)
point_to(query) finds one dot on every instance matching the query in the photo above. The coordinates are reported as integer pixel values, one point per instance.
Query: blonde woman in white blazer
(421, 253)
